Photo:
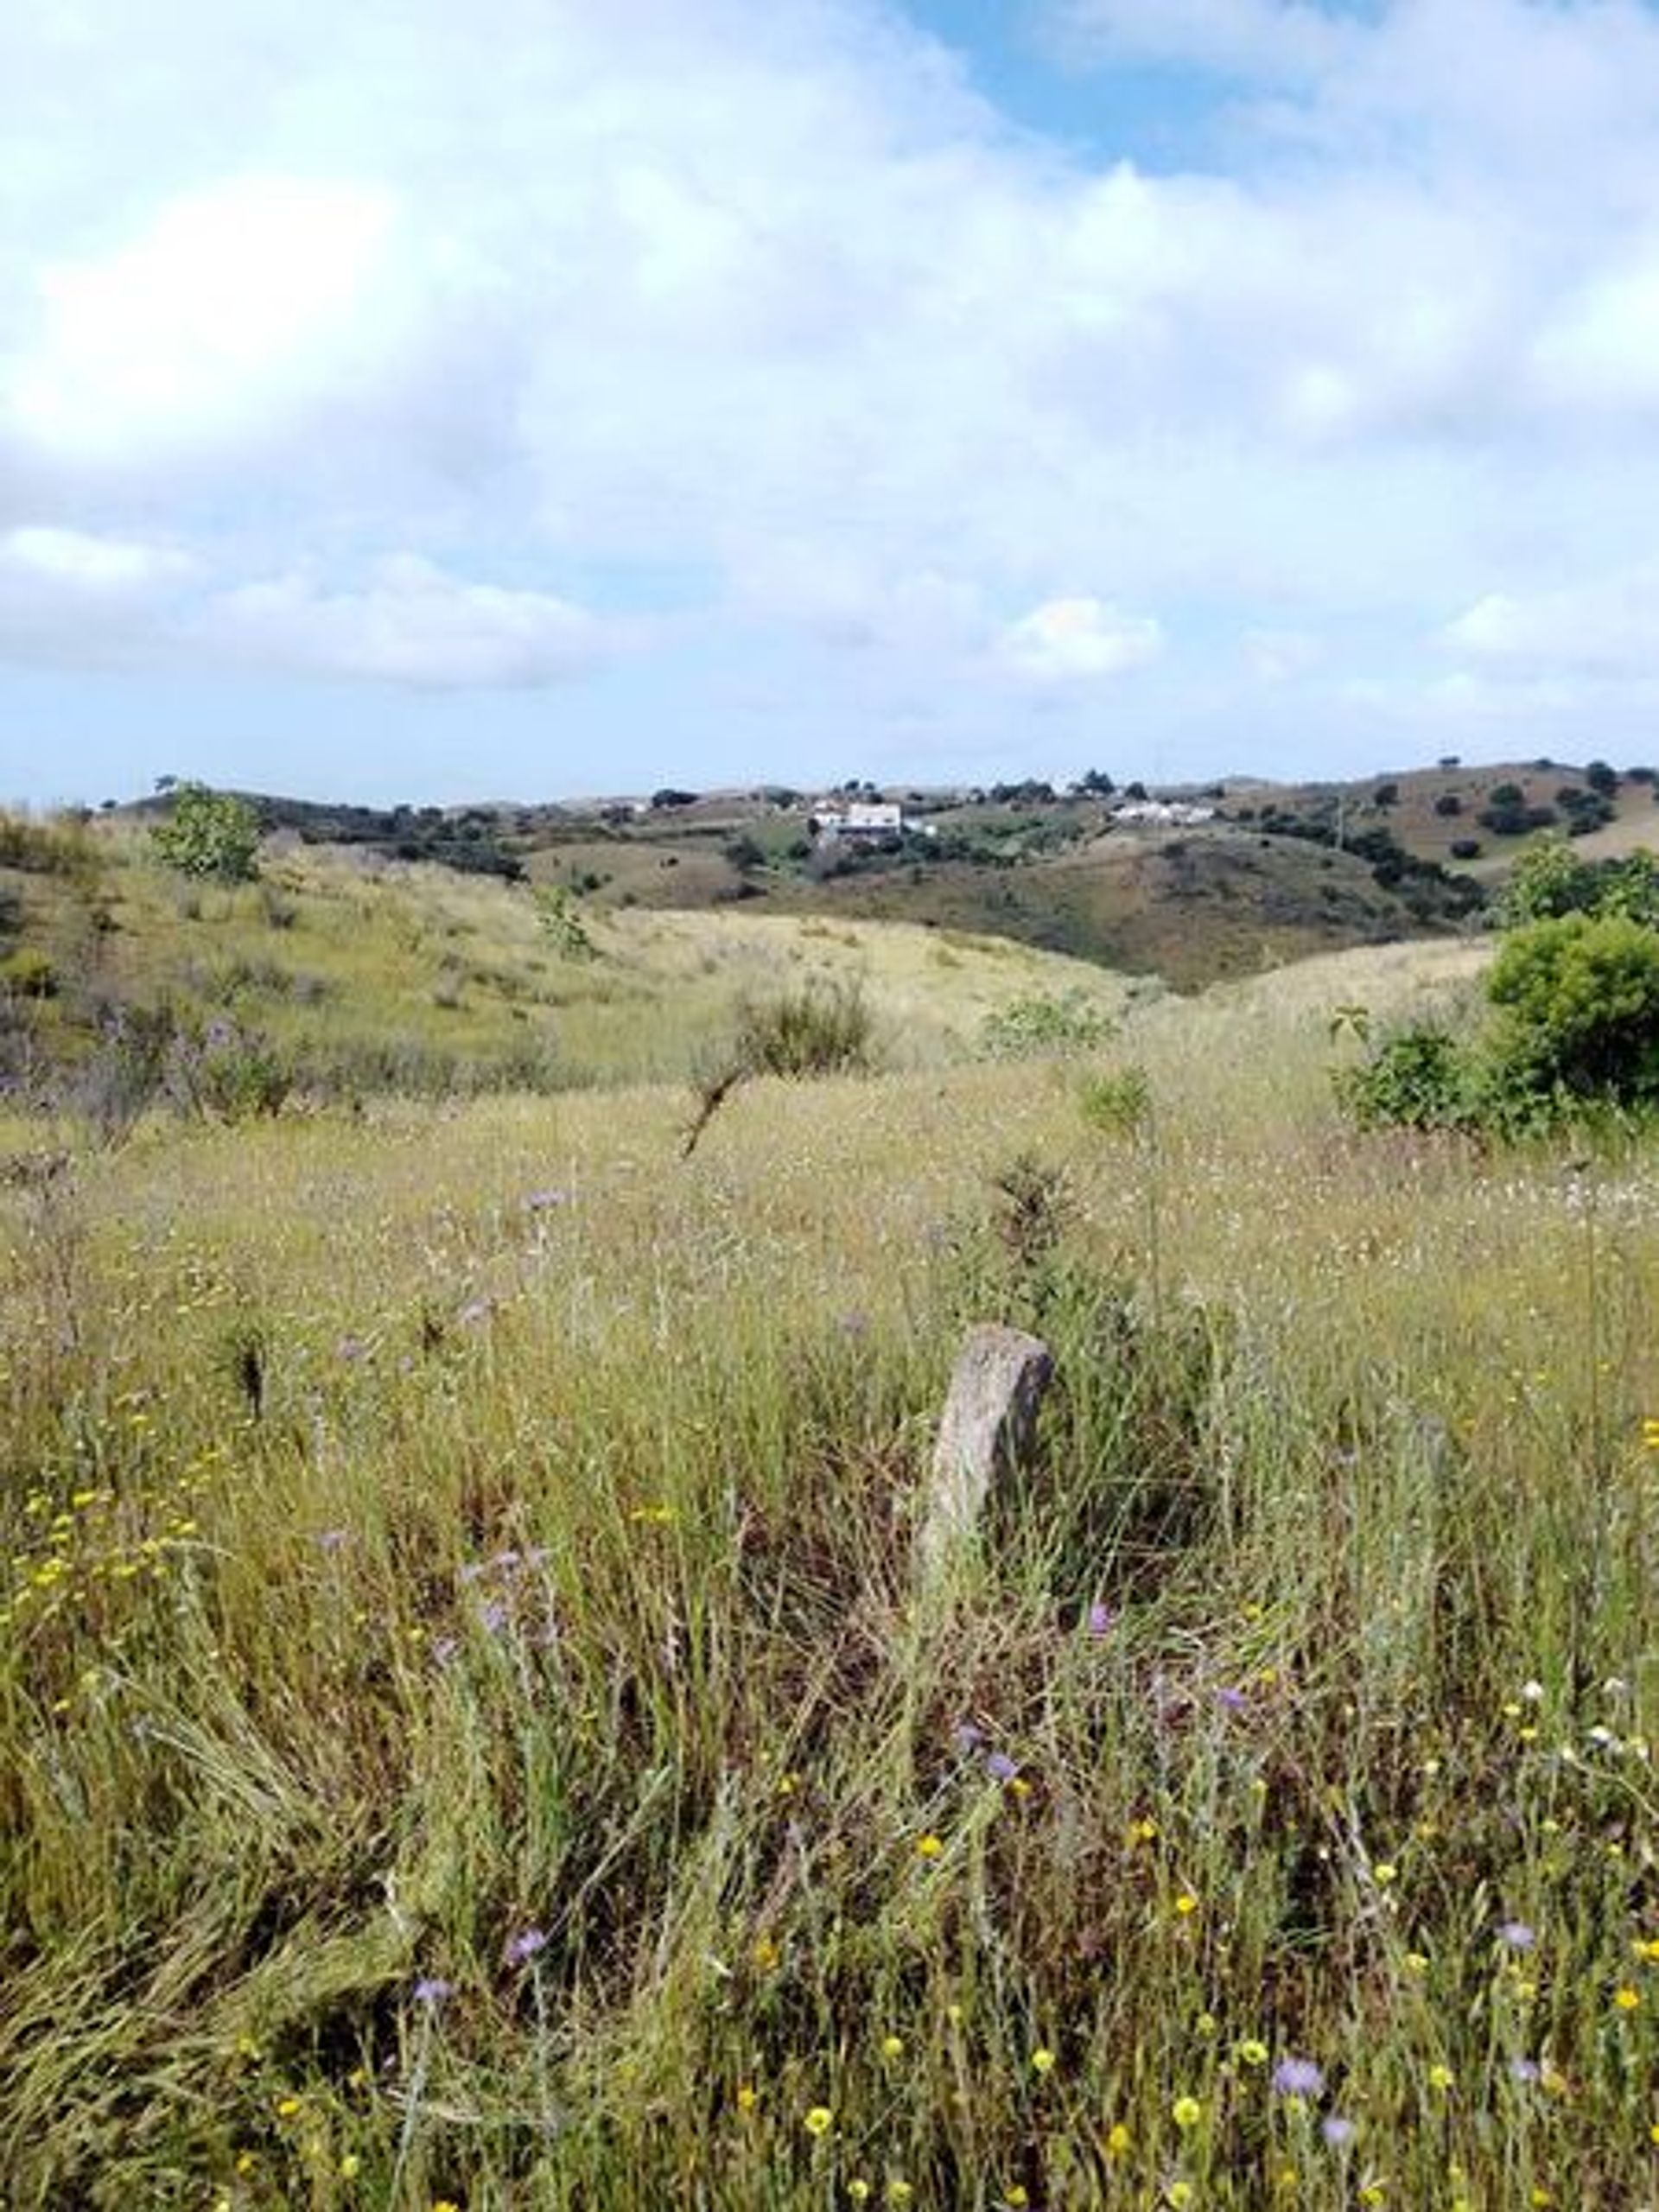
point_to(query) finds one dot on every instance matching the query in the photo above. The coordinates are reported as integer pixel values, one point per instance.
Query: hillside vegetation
(365, 976)
(469, 1736)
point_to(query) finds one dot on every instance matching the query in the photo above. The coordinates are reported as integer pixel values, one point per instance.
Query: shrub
(1578, 1000)
(562, 924)
(824, 1028)
(1416, 1078)
(1117, 1105)
(210, 833)
(29, 973)
(1447, 804)
(56, 847)
(1466, 849)
(1044, 1023)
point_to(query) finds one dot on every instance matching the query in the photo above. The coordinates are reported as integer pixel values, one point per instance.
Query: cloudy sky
(404, 399)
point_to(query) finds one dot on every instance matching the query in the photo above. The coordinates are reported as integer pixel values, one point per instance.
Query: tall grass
(468, 1736)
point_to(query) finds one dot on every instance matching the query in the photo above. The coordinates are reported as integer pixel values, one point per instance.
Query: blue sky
(960, 388)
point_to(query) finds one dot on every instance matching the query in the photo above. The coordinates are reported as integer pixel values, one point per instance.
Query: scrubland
(468, 1735)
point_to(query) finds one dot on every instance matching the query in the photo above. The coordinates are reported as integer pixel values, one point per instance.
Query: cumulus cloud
(76, 596)
(766, 315)
(412, 625)
(1604, 626)
(1069, 639)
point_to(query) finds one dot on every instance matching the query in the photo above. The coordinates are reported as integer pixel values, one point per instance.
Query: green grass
(466, 1521)
(374, 977)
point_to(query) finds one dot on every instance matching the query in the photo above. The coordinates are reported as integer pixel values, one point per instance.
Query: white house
(1166, 814)
(871, 819)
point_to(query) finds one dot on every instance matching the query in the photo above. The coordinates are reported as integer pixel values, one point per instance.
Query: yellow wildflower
(893, 2046)
(1627, 1999)
(1119, 2141)
(747, 2096)
(900, 2192)
(1440, 2077)
(928, 1846)
(1186, 1905)
(1252, 2052)
(1179, 2193)
(819, 2121)
(1016, 2197)
(350, 2166)
(1383, 1873)
(1042, 2060)
(1186, 2112)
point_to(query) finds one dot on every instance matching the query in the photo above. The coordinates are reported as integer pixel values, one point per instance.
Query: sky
(542, 397)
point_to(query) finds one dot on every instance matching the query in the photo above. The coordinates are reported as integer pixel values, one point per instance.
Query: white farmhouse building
(858, 818)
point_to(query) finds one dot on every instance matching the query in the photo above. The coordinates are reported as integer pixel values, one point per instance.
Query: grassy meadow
(468, 1736)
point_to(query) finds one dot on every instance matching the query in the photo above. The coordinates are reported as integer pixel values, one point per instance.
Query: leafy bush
(561, 923)
(1416, 1078)
(1118, 1104)
(1578, 1000)
(210, 833)
(1044, 1023)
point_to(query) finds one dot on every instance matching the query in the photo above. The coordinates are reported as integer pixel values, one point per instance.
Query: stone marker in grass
(990, 1417)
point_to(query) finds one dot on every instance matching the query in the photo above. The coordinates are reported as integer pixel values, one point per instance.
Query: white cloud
(1605, 625)
(74, 561)
(1069, 640)
(412, 625)
(766, 301)
(234, 301)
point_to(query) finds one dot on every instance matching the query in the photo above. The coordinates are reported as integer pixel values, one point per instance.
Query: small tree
(210, 833)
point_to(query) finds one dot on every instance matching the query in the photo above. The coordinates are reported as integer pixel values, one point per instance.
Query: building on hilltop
(859, 818)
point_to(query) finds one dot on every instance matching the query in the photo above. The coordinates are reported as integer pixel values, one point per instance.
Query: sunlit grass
(468, 1735)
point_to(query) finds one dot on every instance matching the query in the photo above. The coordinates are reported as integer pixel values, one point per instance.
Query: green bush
(1040, 1024)
(1417, 1078)
(1578, 1010)
(210, 833)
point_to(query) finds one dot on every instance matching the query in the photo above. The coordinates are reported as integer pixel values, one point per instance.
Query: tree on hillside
(210, 833)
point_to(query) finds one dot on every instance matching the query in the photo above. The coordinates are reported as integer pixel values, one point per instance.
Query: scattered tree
(210, 833)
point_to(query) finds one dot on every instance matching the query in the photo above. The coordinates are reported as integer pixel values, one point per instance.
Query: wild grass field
(469, 1738)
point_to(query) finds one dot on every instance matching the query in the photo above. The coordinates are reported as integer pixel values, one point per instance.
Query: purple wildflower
(539, 1201)
(1517, 1934)
(522, 1948)
(334, 1540)
(504, 1563)
(966, 1736)
(431, 1990)
(350, 1347)
(475, 1310)
(1525, 2071)
(1234, 1700)
(1298, 2077)
(1101, 1618)
(1337, 2130)
(470, 1570)
(1001, 1767)
(444, 1649)
(493, 1617)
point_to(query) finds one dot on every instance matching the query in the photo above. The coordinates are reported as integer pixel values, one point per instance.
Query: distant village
(874, 821)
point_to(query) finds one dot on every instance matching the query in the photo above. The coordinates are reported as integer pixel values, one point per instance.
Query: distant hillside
(1280, 872)
(370, 974)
